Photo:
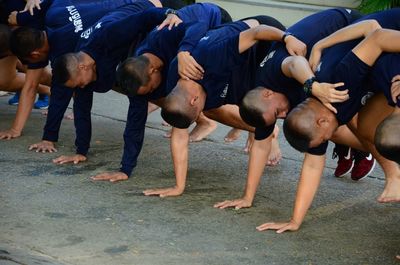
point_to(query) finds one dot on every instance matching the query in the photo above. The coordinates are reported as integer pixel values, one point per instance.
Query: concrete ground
(51, 214)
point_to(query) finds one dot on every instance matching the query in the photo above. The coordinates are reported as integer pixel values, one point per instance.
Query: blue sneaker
(42, 102)
(14, 100)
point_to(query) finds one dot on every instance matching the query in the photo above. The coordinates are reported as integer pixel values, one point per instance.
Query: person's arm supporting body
(133, 140)
(27, 99)
(180, 153)
(311, 173)
(354, 31)
(258, 158)
(250, 37)
(58, 104)
(83, 101)
(298, 68)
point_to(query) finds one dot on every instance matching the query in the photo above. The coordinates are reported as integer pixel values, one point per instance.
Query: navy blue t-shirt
(65, 23)
(165, 44)
(38, 19)
(109, 43)
(309, 30)
(208, 13)
(64, 39)
(339, 64)
(384, 69)
(228, 74)
(388, 19)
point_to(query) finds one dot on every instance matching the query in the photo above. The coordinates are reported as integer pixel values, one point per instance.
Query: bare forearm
(261, 32)
(257, 160)
(268, 33)
(228, 115)
(308, 185)
(27, 98)
(355, 31)
(383, 40)
(180, 151)
(26, 101)
(297, 67)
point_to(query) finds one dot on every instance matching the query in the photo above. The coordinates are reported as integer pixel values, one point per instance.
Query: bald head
(299, 127)
(180, 107)
(64, 67)
(133, 73)
(252, 108)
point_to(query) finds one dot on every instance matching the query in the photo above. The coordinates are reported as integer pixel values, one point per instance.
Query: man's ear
(35, 54)
(152, 70)
(193, 100)
(322, 121)
(82, 66)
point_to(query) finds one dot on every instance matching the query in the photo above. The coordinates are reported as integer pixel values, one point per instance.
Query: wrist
(248, 197)
(181, 53)
(317, 46)
(285, 36)
(180, 188)
(171, 11)
(308, 85)
(296, 222)
(16, 131)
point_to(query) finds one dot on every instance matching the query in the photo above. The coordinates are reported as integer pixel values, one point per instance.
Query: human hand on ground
(76, 159)
(279, 227)
(110, 176)
(164, 192)
(9, 134)
(43, 146)
(238, 204)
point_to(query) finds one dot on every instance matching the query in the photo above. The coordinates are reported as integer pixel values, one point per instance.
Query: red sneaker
(345, 163)
(364, 164)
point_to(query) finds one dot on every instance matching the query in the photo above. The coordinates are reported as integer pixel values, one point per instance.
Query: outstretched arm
(133, 140)
(354, 31)
(258, 158)
(27, 98)
(249, 37)
(310, 177)
(180, 151)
